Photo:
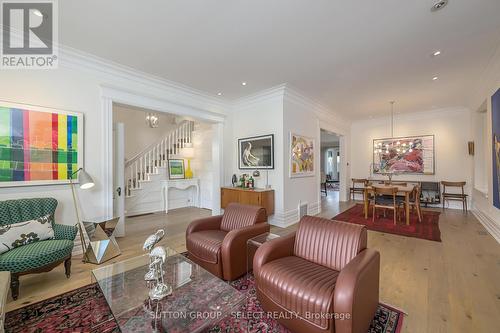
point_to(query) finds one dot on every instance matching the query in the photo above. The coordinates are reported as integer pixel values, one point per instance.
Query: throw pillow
(23, 233)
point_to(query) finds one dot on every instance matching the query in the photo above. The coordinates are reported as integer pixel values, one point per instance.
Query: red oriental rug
(427, 229)
(85, 310)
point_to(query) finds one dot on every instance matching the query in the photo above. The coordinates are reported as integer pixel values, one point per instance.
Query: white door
(119, 177)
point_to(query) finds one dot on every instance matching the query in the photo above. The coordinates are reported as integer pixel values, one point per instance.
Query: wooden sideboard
(256, 197)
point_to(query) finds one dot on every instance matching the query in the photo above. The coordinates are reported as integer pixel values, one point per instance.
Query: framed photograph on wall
(256, 152)
(176, 169)
(301, 156)
(404, 155)
(39, 145)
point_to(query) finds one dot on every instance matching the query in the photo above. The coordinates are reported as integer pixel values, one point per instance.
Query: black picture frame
(262, 148)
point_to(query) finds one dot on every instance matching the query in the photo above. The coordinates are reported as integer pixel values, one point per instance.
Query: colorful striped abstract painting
(36, 145)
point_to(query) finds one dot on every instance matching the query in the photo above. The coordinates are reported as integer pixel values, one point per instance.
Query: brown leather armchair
(218, 243)
(321, 278)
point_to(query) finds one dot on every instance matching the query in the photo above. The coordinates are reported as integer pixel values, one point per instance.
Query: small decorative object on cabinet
(255, 197)
(176, 169)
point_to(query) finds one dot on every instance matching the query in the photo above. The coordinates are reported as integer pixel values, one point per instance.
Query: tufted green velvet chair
(41, 256)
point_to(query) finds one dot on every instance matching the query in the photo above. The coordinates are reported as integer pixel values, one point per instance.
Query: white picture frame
(301, 156)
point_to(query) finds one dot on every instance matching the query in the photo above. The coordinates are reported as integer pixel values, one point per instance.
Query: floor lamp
(86, 182)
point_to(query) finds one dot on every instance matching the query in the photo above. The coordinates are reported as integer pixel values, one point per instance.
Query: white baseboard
(488, 222)
(290, 217)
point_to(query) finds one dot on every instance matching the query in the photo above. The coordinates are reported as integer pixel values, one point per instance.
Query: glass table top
(199, 299)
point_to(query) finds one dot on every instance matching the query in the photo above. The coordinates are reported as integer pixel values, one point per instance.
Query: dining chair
(323, 183)
(386, 198)
(356, 189)
(415, 201)
(454, 196)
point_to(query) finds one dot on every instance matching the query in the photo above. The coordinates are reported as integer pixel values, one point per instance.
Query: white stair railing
(142, 165)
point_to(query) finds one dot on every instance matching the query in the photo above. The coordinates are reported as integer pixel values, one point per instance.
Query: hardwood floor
(452, 286)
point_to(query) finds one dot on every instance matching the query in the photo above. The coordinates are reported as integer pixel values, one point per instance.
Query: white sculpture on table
(149, 244)
(157, 259)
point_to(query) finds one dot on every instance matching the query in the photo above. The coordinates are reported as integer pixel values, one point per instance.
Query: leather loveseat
(218, 243)
(321, 278)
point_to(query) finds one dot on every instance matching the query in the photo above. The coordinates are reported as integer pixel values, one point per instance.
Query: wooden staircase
(144, 166)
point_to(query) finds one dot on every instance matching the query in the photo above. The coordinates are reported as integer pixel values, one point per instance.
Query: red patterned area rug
(85, 310)
(427, 229)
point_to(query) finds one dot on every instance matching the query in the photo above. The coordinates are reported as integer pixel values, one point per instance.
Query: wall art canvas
(256, 152)
(495, 117)
(176, 169)
(39, 146)
(301, 156)
(406, 155)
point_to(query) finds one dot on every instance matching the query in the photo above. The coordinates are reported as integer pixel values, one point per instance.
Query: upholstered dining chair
(40, 256)
(219, 243)
(321, 270)
(386, 198)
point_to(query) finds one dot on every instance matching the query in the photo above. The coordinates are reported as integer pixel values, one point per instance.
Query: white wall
(202, 165)
(76, 86)
(452, 131)
(261, 114)
(483, 207)
(138, 134)
(279, 111)
(300, 120)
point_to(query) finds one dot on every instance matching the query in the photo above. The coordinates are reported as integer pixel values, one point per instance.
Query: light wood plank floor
(453, 286)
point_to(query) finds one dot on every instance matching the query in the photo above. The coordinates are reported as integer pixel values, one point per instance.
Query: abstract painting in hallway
(495, 121)
(38, 146)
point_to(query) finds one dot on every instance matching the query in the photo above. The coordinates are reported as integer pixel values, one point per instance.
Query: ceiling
(352, 56)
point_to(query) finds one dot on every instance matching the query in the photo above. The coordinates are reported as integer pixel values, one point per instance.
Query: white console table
(181, 184)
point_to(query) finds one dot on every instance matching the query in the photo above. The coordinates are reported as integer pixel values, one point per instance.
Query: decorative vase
(189, 172)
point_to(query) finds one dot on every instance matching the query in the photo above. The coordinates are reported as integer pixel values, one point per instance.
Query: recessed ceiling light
(243, 83)
(219, 94)
(436, 53)
(439, 5)
(435, 78)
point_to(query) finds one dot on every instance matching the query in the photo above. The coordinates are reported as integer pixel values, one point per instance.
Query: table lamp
(188, 154)
(86, 182)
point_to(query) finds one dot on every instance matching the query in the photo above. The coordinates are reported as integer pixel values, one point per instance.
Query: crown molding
(323, 113)
(413, 115)
(259, 97)
(78, 60)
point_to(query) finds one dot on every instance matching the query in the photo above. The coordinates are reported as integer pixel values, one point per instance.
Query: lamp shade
(188, 153)
(85, 180)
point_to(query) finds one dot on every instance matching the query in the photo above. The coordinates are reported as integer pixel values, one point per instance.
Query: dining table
(403, 190)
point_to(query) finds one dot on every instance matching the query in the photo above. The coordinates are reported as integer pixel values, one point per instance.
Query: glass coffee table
(199, 299)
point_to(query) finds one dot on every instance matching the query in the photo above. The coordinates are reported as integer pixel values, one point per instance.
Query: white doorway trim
(344, 172)
(110, 95)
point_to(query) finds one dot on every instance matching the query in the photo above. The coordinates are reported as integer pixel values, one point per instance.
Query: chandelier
(394, 144)
(152, 119)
